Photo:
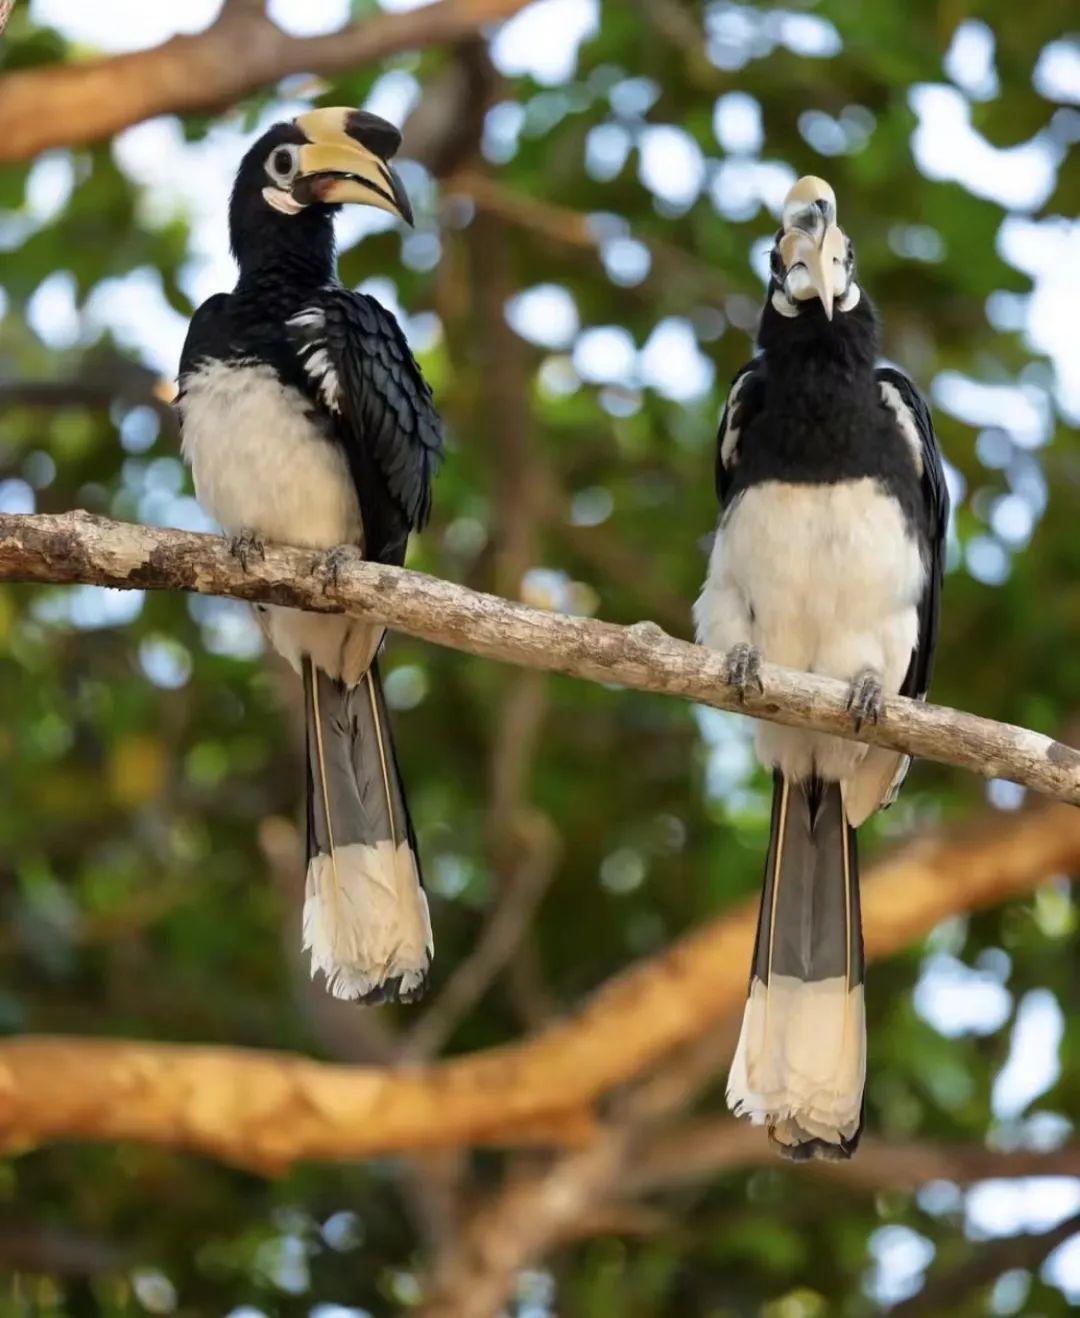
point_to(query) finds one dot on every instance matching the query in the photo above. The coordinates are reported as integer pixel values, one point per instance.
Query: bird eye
(282, 163)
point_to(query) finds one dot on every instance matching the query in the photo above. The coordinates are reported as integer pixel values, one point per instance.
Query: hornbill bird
(306, 420)
(828, 558)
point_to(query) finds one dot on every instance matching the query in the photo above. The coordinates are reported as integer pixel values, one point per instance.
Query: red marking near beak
(321, 186)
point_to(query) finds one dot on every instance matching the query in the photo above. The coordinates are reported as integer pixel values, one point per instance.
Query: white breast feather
(260, 461)
(816, 563)
(821, 578)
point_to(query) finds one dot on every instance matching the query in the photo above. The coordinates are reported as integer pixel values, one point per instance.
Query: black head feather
(257, 231)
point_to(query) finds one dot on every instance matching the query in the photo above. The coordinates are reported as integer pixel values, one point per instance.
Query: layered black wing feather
(745, 399)
(936, 505)
(207, 337)
(387, 418)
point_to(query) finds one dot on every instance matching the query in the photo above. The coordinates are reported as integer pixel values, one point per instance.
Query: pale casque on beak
(345, 159)
(812, 245)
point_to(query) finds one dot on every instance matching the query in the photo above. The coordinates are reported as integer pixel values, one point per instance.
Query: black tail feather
(365, 914)
(800, 1063)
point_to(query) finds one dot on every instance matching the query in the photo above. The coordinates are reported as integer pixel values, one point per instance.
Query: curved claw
(331, 564)
(742, 669)
(866, 698)
(245, 546)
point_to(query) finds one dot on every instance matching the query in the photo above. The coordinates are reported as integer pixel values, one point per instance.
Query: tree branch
(571, 228)
(77, 547)
(519, 1223)
(700, 1149)
(72, 104)
(946, 1291)
(106, 386)
(267, 1110)
(523, 845)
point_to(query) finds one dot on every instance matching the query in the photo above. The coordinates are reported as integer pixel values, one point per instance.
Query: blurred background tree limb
(264, 1111)
(240, 52)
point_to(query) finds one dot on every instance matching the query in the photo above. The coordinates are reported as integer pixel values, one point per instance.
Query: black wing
(207, 337)
(936, 503)
(745, 399)
(391, 431)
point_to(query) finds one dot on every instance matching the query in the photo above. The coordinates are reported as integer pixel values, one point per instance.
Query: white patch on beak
(282, 201)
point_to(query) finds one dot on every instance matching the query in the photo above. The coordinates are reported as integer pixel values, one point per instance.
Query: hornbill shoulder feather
(901, 396)
(207, 337)
(363, 372)
(745, 400)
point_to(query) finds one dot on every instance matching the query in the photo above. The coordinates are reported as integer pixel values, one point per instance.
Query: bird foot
(742, 669)
(866, 698)
(246, 545)
(331, 565)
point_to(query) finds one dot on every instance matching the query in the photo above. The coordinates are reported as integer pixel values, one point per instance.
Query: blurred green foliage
(144, 744)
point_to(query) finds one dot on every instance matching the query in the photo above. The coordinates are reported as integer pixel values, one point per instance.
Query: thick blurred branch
(950, 1291)
(699, 1149)
(77, 547)
(521, 1221)
(267, 1110)
(571, 228)
(74, 103)
(522, 843)
(53, 1251)
(111, 383)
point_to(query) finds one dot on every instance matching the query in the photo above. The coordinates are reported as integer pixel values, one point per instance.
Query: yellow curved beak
(337, 166)
(820, 256)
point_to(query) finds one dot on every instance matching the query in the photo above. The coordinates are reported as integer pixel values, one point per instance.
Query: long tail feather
(366, 918)
(800, 1064)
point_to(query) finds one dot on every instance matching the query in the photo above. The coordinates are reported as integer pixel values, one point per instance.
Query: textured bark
(76, 547)
(267, 1110)
(243, 51)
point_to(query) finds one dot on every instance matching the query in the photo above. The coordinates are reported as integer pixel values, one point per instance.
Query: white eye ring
(282, 162)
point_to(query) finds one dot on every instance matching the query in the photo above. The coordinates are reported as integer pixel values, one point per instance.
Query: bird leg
(866, 698)
(742, 669)
(246, 545)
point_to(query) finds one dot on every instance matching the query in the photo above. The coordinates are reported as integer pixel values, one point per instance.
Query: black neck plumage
(285, 256)
(844, 349)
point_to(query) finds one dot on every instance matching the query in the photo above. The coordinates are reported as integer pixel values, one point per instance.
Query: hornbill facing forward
(828, 558)
(307, 421)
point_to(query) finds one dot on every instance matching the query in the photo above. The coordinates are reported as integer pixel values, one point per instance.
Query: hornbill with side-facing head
(828, 558)
(306, 421)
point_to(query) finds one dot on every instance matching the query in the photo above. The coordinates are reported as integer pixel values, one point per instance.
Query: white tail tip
(800, 1064)
(366, 920)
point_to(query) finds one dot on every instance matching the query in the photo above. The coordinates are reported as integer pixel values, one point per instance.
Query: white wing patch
(313, 354)
(892, 399)
(730, 439)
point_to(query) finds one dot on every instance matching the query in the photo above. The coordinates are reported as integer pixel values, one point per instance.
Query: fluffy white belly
(260, 462)
(825, 579)
(831, 576)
